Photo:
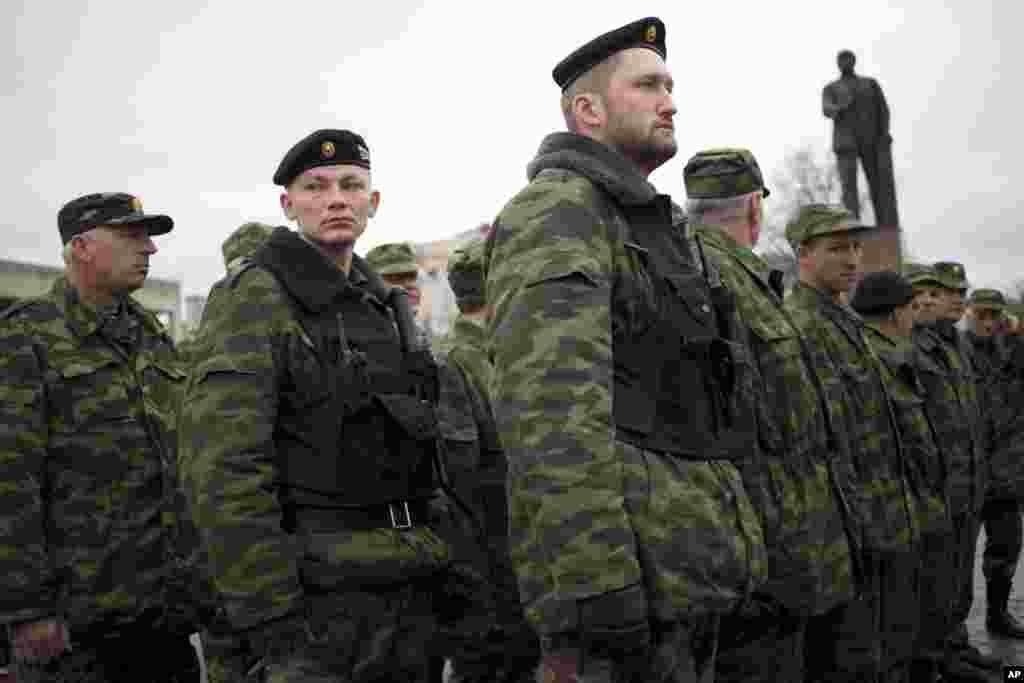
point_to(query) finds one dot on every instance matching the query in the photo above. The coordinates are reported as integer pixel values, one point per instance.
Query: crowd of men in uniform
(635, 457)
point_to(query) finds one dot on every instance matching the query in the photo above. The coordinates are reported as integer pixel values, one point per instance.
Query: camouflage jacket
(860, 405)
(250, 357)
(924, 464)
(952, 404)
(1000, 386)
(91, 527)
(684, 539)
(471, 370)
(805, 511)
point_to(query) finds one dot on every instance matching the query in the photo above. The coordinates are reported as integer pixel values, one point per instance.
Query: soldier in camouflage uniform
(396, 263)
(94, 551)
(857, 641)
(809, 570)
(308, 442)
(1001, 513)
(506, 649)
(952, 404)
(885, 301)
(618, 399)
(242, 244)
(227, 657)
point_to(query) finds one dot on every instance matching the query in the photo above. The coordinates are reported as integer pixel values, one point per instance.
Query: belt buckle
(402, 519)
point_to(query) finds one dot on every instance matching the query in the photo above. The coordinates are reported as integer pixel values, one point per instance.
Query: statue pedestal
(882, 250)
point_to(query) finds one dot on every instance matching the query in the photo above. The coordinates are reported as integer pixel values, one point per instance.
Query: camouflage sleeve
(550, 279)
(27, 582)
(228, 455)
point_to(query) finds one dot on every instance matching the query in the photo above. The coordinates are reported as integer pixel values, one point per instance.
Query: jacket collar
(307, 274)
(84, 320)
(601, 164)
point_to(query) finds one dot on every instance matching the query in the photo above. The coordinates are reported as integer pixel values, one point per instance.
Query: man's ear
(589, 111)
(374, 203)
(80, 249)
(756, 208)
(286, 206)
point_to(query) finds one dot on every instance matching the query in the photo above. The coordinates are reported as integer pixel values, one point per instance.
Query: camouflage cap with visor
(722, 173)
(920, 274)
(988, 298)
(466, 273)
(392, 258)
(952, 275)
(819, 220)
(107, 209)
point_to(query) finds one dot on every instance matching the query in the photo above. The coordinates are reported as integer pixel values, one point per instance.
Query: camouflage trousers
(966, 529)
(145, 655)
(872, 638)
(1003, 531)
(938, 594)
(680, 653)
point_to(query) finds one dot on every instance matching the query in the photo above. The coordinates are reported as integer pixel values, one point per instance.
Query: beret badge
(651, 34)
(327, 150)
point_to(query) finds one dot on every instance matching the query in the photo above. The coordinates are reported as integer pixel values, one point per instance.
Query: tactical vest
(353, 432)
(676, 375)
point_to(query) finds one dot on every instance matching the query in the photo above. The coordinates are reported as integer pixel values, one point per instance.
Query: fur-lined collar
(309, 276)
(602, 164)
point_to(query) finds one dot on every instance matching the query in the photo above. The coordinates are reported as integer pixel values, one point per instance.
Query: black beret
(649, 33)
(879, 293)
(108, 208)
(325, 147)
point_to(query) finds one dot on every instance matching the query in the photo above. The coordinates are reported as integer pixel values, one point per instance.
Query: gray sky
(191, 104)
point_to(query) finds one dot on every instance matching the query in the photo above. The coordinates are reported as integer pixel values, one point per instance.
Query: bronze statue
(860, 118)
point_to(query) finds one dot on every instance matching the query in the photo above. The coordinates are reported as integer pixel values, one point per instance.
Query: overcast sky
(191, 104)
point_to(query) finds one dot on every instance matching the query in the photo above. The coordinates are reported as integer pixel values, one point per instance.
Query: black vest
(352, 430)
(676, 373)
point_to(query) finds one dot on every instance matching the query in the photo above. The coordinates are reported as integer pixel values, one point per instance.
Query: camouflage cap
(919, 274)
(325, 147)
(881, 292)
(952, 275)
(466, 273)
(987, 298)
(392, 258)
(722, 173)
(244, 242)
(107, 208)
(648, 33)
(817, 220)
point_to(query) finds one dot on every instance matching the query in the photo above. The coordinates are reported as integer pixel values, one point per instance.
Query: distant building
(437, 308)
(19, 280)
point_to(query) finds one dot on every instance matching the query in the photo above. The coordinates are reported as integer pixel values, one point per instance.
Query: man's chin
(651, 155)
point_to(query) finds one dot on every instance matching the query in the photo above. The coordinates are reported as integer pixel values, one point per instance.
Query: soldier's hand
(40, 641)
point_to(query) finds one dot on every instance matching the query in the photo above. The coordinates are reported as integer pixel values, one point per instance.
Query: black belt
(402, 514)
